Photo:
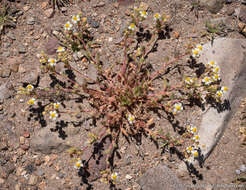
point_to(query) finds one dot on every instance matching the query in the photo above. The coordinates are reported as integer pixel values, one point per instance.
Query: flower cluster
(196, 52)
(193, 150)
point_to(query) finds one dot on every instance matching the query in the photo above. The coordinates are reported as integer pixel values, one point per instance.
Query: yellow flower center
(31, 102)
(195, 154)
(199, 47)
(196, 137)
(67, 25)
(194, 130)
(78, 164)
(29, 87)
(216, 69)
(211, 63)
(195, 52)
(114, 177)
(53, 114)
(189, 148)
(219, 94)
(206, 79)
(157, 16)
(143, 13)
(216, 77)
(132, 26)
(225, 89)
(178, 107)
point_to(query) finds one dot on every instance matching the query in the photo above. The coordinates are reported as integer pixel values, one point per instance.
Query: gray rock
(47, 142)
(214, 6)
(30, 77)
(230, 55)
(6, 54)
(5, 92)
(93, 23)
(21, 49)
(40, 172)
(158, 178)
(5, 72)
(6, 45)
(11, 35)
(30, 20)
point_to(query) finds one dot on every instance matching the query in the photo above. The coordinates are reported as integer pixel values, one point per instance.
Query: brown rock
(33, 180)
(49, 12)
(98, 162)
(44, 4)
(51, 46)
(242, 14)
(22, 140)
(2, 180)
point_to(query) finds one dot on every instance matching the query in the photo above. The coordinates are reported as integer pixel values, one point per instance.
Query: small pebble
(242, 168)
(238, 172)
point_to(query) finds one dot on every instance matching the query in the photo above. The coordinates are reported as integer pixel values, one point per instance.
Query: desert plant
(123, 96)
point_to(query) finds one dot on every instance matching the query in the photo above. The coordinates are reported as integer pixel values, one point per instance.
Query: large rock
(214, 6)
(47, 142)
(230, 55)
(158, 178)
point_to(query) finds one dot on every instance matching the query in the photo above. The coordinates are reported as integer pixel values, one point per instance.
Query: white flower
(196, 138)
(60, 49)
(195, 52)
(56, 105)
(114, 176)
(216, 77)
(177, 108)
(216, 69)
(29, 87)
(132, 27)
(157, 16)
(130, 119)
(219, 93)
(206, 80)
(199, 47)
(78, 164)
(52, 62)
(75, 19)
(195, 153)
(143, 14)
(189, 149)
(212, 64)
(193, 130)
(53, 115)
(224, 89)
(68, 26)
(188, 80)
(32, 101)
